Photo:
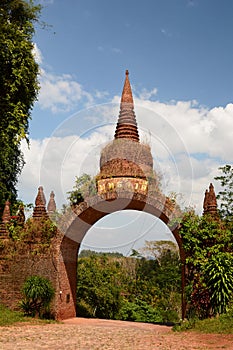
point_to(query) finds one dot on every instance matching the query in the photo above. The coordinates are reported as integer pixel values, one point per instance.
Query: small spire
(210, 202)
(127, 126)
(51, 204)
(39, 210)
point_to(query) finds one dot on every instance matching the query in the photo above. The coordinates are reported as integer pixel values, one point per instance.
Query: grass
(222, 324)
(9, 317)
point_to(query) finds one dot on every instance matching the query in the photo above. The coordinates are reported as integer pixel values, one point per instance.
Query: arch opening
(124, 230)
(85, 221)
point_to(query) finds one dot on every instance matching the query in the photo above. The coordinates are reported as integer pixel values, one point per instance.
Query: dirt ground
(94, 334)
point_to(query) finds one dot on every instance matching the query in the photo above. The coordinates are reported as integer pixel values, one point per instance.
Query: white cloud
(101, 94)
(37, 54)
(46, 2)
(61, 93)
(147, 94)
(199, 130)
(116, 50)
(166, 33)
(55, 162)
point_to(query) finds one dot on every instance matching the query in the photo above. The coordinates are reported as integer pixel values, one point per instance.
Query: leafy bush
(84, 309)
(169, 316)
(38, 293)
(139, 311)
(219, 277)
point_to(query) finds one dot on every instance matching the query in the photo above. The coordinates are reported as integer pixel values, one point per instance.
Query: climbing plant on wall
(18, 88)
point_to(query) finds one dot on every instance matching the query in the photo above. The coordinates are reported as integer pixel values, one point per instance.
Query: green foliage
(226, 194)
(41, 231)
(38, 293)
(15, 231)
(111, 287)
(18, 88)
(218, 274)
(139, 311)
(222, 324)
(207, 243)
(8, 317)
(85, 253)
(85, 186)
(97, 287)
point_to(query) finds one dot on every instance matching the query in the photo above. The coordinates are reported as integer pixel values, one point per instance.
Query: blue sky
(182, 48)
(180, 57)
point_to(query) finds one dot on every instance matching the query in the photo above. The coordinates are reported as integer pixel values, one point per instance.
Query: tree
(208, 247)
(98, 289)
(161, 275)
(38, 293)
(128, 288)
(18, 88)
(84, 187)
(156, 249)
(226, 194)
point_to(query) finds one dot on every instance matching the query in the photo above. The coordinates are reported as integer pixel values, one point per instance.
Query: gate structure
(126, 181)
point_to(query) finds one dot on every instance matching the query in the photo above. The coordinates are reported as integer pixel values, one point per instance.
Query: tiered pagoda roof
(127, 126)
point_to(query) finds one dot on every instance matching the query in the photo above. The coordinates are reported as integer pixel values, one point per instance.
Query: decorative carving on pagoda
(51, 208)
(40, 202)
(125, 163)
(6, 217)
(210, 202)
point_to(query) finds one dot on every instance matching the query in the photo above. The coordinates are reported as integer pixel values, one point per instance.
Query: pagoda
(210, 202)
(125, 163)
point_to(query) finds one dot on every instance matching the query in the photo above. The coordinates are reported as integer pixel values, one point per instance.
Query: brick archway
(79, 221)
(126, 180)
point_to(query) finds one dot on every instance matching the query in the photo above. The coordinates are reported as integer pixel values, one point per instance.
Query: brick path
(92, 334)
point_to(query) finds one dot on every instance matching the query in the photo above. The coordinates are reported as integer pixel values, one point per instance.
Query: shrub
(84, 309)
(139, 311)
(219, 276)
(38, 293)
